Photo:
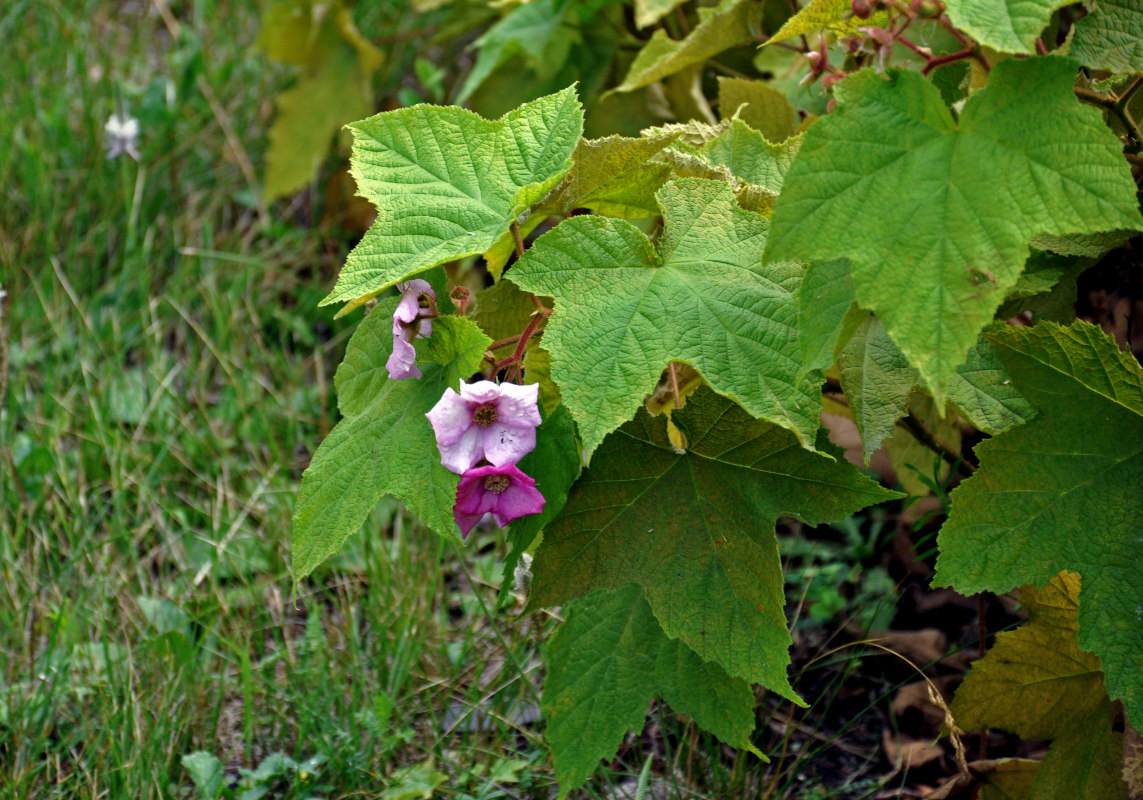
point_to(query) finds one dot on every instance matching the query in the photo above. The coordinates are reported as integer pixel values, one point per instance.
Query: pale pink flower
(486, 420)
(408, 324)
(505, 492)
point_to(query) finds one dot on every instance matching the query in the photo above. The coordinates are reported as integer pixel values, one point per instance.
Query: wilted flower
(505, 492)
(486, 420)
(408, 324)
(122, 136)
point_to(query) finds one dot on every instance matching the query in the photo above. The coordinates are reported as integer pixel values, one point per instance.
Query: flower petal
(470, 493)
(505, 443)
(520, 498)
(464, 453)
(519, 403)
(466, 522)
(480, 393)
(450, 418)
(402, 361)
(407, 309)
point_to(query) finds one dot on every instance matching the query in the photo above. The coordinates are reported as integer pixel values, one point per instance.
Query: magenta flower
(505, 492)
(408, 324)
(486, 420)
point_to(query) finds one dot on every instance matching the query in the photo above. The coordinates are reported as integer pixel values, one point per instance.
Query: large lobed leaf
(935, 213)
(695, 528)
(1038, 684)
(1064, 491)
(384, 444)
(448, 183)
(606, 663)
(623, 311)
(1010, 26)
(1111, 36)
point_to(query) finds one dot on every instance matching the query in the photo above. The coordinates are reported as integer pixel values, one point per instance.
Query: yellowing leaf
(335, 86)
(834, 16)
(759, 105)
(730, 23)
(1037, 683)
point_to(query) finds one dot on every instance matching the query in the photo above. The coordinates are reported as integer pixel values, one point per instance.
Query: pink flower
(505, 492)
(408, 324)
(486, 420)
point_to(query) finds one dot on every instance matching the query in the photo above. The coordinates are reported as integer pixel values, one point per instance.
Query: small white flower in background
(122, 136)
(522, 575)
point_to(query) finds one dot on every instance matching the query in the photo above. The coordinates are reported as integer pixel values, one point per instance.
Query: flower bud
(829, 80)
(862, 9)
(927, 9)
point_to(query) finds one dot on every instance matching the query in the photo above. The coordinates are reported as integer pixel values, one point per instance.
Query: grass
(167, 377)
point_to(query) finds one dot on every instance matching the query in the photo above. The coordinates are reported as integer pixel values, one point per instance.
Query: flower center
(496, 483)
(485, 415)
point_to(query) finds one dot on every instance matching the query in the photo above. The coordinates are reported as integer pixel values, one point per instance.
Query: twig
(675, 384)
(519, 239)
(925, 437)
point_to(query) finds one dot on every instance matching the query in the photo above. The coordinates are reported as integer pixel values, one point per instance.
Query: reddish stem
(960, 55)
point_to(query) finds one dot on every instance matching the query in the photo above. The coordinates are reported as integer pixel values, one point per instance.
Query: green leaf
(335, 86)
(876, 380)
(749, 157)
(539, 30)
(695, 528)
(384, 445)
(502, 310)
(448, 184)
(418, 781)
(1063, 492)
(726, 25)
(206, 771)
(825, 299)
(623, 311)
(606, 662)
(555, 465)
(1111, 37)
(1009, 26)
(1037, 683)
(612, 176)
(759, 105)
(648, 12)
(935, 262)
(983, 392)
(834, 16)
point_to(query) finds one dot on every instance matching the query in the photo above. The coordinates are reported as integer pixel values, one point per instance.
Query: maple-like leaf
(623, 311)
(448, 184)
(1010, 26)
(606, 662)
(936, 213)
(384, 444)
(1111, 37)
(1063, 491)
(695, 528)
(1036, 682)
